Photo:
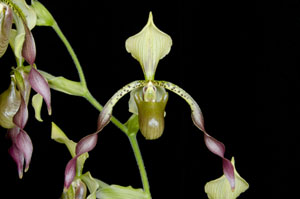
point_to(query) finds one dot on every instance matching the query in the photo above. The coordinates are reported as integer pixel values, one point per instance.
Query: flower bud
(10, 101)
(151, 108)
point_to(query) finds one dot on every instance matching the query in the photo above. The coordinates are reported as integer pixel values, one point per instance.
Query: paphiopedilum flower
(14, 112)
(21, 39)
(149, 98)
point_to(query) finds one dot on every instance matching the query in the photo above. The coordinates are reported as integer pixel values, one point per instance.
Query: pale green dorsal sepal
(148, 47)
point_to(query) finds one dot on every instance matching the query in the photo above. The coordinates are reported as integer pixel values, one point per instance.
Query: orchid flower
(14, 101)
(14, 112)
(149, 98)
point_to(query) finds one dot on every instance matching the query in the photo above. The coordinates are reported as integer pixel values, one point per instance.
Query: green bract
(44, 17)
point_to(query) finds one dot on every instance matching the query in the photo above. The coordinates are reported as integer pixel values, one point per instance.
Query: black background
(237, 59)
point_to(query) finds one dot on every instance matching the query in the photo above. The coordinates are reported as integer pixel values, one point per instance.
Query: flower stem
(72, 53)
(88, 96)
(140, 163)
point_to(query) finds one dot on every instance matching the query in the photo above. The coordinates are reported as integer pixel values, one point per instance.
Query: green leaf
(37, 102)
(64, 85)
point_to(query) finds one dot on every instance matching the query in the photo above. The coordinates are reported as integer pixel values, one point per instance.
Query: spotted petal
(148, 47)
(212, 144)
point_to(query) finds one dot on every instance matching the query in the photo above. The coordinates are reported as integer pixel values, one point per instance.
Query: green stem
(72, 53)
(88, 96)
(140, 162)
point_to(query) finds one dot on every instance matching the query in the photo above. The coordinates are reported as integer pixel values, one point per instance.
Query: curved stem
(140, 163)
(72, 53)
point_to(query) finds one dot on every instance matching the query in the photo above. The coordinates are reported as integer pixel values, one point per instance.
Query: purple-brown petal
(29, 50)
(86, 144)
(228, 171)
(40, 85)
(212, 144)
(24, 144)
(21, 117)
(18, 157)
(70, 172)
(218, 148)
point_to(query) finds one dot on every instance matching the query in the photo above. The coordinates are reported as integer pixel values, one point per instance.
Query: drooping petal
(29, 50)
(106, 113)
(24, 144)
(148, 47)
(21, 117)
(212, 144)
(86, 144)
(18, 157)
(70, 172)
(6, 19)
(220, 188)
(10, 101)
(40, 85)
